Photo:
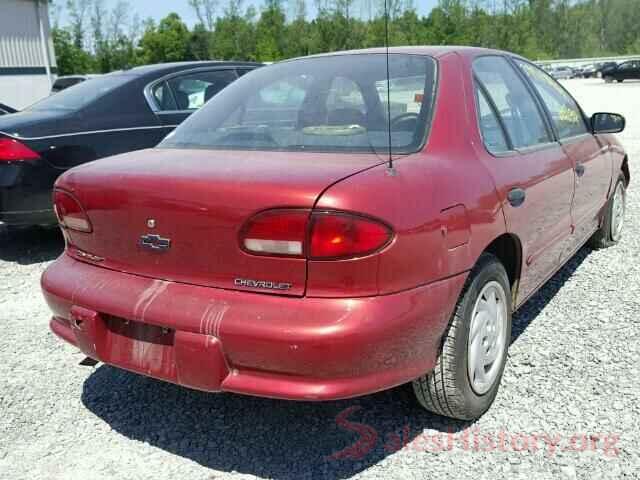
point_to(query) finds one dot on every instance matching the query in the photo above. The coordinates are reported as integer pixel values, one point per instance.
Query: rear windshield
(335, 103)
(80, 95)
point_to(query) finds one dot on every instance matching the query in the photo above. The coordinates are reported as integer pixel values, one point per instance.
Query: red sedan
(320, 230)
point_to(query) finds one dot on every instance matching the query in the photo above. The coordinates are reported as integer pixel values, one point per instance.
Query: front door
(533, 175)
(590, 160)
(628, 70)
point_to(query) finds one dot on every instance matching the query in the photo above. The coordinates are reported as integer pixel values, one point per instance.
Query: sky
(157, 9)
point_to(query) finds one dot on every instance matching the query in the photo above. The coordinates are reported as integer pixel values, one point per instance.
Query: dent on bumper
(258, 344)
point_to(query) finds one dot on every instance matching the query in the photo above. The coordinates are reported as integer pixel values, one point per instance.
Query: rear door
(635, 71)
(625, 71)
(590, 158)
(176, 97)
(532, 172)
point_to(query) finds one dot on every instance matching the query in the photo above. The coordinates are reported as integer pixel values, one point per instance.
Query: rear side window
(565, 113)
(192, 91)
(515, 104)
(164, 97)
(333, 103)
(490, 127)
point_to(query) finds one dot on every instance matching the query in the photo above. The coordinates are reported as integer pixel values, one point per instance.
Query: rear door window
(193, 90)
(565, 113)
(492, 133)
(163, 97)
(515, 105)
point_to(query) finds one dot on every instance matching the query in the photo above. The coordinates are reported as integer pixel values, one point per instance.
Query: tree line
(96, 39)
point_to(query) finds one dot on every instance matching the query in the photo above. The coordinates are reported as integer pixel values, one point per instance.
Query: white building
(27, 59)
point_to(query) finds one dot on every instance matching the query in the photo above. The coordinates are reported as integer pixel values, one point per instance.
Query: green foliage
(95, 40)
(69, 57)
(169, 42)
(269, 29)
(234, 36)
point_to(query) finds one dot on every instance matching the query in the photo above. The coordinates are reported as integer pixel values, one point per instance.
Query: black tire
(604, 236)
(447, 390)
(620, 80)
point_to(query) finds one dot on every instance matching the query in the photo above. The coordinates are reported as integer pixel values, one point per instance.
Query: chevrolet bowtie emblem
(155, 242)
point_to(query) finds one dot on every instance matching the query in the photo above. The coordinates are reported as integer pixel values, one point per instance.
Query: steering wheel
(409, 118)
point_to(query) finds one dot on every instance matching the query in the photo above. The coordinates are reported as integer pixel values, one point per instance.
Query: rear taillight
(322, 235)
(70, 213)
(342, 235)
(12, 150)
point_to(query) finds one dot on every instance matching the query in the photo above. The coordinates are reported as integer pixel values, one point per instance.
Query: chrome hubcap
(617, 212)
(487, 337)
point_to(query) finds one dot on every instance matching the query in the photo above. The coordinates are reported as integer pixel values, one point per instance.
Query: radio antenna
(386, 42)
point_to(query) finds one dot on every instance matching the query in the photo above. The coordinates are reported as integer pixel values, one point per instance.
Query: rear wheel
(608, 79)
(610, 232)
(468, 370)
(620, 80)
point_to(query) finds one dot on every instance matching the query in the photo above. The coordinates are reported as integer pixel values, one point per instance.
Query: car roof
(430, 50)
(177, 66)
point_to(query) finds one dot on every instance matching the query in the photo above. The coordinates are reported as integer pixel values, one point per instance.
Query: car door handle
(516, 197)
(580, 169)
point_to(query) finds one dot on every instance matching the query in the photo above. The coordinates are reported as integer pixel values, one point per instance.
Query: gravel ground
(568, 406)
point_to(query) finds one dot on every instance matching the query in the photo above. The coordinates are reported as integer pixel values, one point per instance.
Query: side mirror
(607, 123)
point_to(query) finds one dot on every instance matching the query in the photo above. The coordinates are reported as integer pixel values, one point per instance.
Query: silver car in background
(562, 73)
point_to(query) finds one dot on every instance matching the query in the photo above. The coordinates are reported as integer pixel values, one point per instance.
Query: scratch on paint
(148, 356)
(212, 318)
(147, 297)
(347, 313)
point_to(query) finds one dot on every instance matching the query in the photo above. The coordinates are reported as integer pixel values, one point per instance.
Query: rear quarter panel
(618, 154)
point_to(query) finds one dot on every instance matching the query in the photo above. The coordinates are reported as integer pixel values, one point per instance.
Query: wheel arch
(508, 249)
(625, 170)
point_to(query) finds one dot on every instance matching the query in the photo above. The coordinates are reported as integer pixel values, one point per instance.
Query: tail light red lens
(328, 235)
(337, 235)
(11, 150)
(70, 213)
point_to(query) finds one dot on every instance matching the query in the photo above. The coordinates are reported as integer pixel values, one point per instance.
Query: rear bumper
(25, 193)
(265, 345)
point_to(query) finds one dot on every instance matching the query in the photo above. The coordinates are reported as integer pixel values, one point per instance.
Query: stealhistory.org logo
(472, 439)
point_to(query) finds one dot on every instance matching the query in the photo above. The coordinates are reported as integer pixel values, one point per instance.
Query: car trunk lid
(176, 214)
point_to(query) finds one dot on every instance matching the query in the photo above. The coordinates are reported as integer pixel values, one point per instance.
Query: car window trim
(170, 92)
(428, 110)
(575, 138)
(540, 105)
(537, 146)
(544, 105)
(480, 88)
(148, 89)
